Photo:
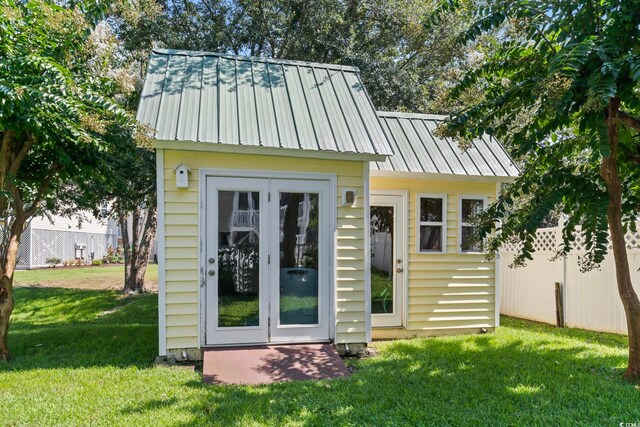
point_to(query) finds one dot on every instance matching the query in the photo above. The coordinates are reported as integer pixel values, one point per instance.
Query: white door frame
(265, 174)
(402, 221)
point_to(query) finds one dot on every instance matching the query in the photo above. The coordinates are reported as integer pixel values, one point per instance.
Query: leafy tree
(405, 65)
(125, 178)
(53, 119)
(562, 91)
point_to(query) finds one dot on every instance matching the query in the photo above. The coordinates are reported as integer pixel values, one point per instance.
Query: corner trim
(367, 253)
(162, 295)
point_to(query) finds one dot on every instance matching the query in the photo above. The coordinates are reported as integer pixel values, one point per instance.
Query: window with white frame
(432, 223)
(470, 207)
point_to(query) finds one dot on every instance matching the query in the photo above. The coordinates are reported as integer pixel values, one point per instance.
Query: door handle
(211, 272)
(398, 270)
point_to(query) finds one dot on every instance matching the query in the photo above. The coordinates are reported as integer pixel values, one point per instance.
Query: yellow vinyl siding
(448, 291)
(183, 243)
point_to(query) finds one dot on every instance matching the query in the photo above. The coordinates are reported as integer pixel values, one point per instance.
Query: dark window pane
(431, 238)
(238, 258)
(471, 208)
(430, 209)
(469, 242)
(299, 231)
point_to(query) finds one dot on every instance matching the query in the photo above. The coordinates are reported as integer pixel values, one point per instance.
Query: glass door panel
(298, 237)
(382, 254)
(238, 258)
(236, 254)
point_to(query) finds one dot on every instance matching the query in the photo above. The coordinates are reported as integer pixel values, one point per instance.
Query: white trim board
(160, 239)
(266, 151)
(439, 176)
(367, 254)
(496, 285)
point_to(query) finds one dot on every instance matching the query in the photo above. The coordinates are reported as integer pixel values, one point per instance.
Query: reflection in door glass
(299, 258)
(381, 259)
(238, 258)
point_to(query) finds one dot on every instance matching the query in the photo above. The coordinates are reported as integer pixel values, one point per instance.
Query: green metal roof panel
(418, 149)
(215, 98)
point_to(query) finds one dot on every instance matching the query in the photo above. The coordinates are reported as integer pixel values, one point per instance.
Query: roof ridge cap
(337, 67)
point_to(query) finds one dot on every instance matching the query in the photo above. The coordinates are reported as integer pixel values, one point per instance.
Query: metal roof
(417, 149)
(217, 98)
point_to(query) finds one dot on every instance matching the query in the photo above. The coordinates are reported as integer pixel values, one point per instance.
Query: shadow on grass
(525, 374)
(68, 328)
(473, 380)
(604, 338)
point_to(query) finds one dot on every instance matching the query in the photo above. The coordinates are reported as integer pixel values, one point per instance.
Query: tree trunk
(6, 284)
(138, 249)
(126, 246)
(609, 172)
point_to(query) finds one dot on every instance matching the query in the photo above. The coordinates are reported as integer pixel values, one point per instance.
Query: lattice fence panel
(549, 240)
(546, 240)
(23, 252)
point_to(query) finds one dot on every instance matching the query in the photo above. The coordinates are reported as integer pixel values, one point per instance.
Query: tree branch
(7, 140)
(626, 119)
(42, 191)
(17, 161)
(17, 199)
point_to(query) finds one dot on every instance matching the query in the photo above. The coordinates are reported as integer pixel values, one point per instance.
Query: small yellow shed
(428, 277)
(262, 200)
(290, 211)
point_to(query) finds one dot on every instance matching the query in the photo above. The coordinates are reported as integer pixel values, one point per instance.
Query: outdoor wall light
(348, 196)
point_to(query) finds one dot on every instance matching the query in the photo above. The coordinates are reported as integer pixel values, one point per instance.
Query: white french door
(267, 260)
(387, 215)
(299, 274)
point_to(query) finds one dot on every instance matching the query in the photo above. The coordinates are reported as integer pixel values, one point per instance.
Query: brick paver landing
(273, 363)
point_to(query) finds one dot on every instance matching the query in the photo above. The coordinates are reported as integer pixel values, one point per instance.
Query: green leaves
(49, 96)
(546, 87)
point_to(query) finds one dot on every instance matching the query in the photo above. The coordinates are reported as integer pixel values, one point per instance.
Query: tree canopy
(404, 64)
(562, 91)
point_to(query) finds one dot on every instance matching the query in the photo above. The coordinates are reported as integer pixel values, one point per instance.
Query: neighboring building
(79, 237)
(265, 201)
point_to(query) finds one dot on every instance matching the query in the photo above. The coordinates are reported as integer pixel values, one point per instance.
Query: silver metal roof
(417, 149)
(216, 98)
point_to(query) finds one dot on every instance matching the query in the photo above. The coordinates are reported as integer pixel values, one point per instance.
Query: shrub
(53, 261)
(113, 256)
(96, 262)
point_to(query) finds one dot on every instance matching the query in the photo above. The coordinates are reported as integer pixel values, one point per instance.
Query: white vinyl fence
(591, 299)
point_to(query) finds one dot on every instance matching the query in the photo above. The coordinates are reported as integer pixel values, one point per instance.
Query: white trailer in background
(80, 237)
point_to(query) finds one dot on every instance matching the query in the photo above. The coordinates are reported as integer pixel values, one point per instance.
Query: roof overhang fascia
(440, 176)
(266, 151)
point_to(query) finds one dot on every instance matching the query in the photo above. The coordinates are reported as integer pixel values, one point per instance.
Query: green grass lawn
(94, 277)
(85, 357)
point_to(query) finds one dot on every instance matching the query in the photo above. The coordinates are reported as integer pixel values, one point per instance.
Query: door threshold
(265, 344)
